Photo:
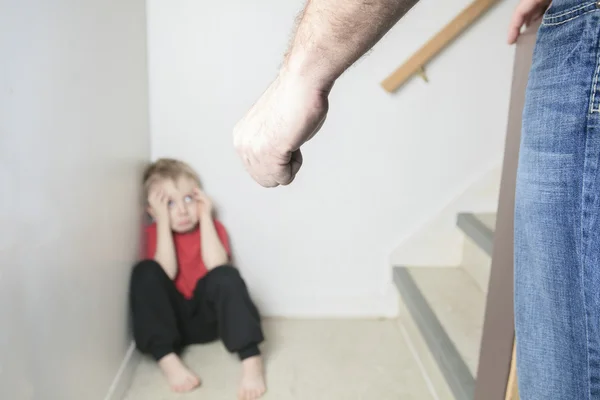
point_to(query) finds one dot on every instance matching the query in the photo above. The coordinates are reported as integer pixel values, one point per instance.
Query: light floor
(306, 360)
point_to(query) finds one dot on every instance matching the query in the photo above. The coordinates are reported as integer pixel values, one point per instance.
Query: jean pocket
(556, 15)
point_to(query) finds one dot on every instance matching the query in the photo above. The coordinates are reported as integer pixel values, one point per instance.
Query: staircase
(442, 310)
(446, 307)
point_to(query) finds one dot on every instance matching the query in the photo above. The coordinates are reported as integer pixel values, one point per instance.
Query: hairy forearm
(165, 249)
(213, 251)
(333, 34)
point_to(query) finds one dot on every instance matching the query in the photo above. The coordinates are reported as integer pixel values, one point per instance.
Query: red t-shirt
(190, 267)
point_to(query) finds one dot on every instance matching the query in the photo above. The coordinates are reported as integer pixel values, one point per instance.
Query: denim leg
(557, 212)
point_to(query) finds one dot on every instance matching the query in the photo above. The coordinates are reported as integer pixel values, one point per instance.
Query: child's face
(183, 208)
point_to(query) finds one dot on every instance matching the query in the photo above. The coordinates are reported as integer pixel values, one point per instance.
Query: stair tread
(458, 303)
(488, 219)
(480, 228)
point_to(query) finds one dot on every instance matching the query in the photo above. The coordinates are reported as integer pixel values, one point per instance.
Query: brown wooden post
(498, 330)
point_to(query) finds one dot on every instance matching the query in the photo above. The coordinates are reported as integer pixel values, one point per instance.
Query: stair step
(477, 263)
(480, 228)
(448, 307)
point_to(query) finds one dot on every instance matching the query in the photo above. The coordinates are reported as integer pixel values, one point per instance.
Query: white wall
(380, 166)
(438, 242)
(73, 138)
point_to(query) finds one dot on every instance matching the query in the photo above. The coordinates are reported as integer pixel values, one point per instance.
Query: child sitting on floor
(186, 291)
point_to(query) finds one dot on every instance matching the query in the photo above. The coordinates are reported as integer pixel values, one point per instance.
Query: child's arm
(165, 248)
(214, 253)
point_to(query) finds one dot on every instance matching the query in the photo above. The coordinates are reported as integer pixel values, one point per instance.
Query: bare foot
(180, 378)
(253, 379)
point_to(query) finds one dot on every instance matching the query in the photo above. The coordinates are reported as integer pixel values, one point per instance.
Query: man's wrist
(303, 69)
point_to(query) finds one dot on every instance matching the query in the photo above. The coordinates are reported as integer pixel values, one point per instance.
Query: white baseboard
(122, 380)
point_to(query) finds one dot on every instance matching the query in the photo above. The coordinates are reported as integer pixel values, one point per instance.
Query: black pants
(164, 321)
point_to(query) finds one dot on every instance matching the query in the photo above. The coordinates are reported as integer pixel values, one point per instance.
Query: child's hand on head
(205, 206)
(159, 205)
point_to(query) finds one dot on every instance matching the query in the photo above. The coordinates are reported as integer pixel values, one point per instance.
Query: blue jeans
(557, 214)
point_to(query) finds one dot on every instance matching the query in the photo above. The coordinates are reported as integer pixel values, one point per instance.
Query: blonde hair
(168, 168)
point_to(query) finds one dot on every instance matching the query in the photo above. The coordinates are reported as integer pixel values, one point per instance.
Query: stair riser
(431, 370)
(434, 332)
(477, 263)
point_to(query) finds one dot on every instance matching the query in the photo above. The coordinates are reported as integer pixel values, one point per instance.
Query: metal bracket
(423, 75)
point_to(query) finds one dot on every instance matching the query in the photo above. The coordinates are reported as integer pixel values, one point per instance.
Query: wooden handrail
(417, 62)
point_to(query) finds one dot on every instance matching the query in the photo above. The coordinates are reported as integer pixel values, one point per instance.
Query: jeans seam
(567, 20)
(593, 107)
(571, 10)
(590, 168)
(558, 19)
(593, 99)
(583, 258)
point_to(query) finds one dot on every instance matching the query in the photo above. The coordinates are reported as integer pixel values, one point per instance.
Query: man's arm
(333, 34)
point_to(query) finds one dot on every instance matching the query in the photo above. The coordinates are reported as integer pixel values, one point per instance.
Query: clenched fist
(268, 138)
